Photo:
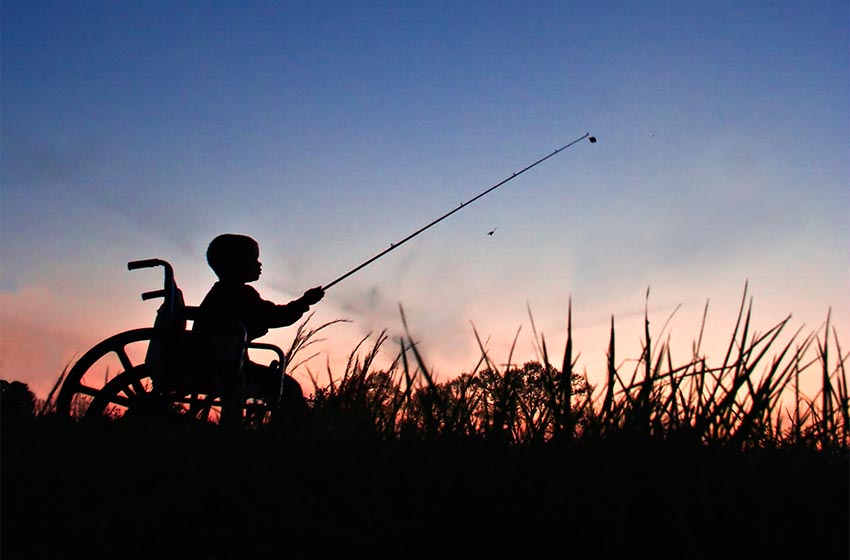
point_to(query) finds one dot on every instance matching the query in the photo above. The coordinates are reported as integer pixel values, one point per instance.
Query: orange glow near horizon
(45, 364)
(36, 352)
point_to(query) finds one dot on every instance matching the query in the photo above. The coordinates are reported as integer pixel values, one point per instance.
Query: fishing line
(394, 246)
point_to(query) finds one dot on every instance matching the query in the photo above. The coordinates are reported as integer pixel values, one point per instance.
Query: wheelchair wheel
(91, 373)
(133, 392)
(91, 390)
(129, 390)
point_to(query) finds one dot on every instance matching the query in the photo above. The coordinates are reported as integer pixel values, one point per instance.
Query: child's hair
(229, 250)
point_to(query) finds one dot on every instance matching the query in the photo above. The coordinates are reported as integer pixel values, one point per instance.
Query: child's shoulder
(235, 289)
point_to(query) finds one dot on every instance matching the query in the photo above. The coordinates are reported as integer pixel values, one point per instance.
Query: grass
(664, 460)
(740, 403)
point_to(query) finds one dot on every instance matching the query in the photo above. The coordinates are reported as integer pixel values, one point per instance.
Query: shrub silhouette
(17, 402)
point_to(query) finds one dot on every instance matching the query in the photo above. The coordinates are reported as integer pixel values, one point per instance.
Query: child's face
(249, 267)
(253, 267)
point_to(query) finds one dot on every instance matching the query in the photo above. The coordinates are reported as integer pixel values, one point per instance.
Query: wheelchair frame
(179, 372)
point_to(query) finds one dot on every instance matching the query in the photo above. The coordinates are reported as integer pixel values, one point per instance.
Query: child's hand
(313, 296)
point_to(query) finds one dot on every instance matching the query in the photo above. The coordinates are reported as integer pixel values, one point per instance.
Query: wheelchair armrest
(281, 357)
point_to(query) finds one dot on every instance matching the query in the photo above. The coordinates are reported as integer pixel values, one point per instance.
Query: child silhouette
(231, 305)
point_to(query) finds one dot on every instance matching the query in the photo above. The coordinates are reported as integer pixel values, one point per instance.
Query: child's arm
(285, 315)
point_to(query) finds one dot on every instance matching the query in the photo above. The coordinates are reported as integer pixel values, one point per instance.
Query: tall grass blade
(566, 380)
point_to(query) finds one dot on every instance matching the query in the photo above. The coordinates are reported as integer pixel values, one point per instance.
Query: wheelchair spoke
(123, 401)
(86, 390)
(137, 385)
(124, 358)
(129, 391)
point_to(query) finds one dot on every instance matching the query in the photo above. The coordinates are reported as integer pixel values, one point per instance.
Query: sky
(329, 130)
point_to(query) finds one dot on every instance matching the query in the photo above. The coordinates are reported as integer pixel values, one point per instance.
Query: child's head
(234, 257)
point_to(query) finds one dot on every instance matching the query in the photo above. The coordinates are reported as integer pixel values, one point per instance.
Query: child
(235, 260)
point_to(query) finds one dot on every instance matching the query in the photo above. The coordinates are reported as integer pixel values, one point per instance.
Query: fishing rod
(394, 246)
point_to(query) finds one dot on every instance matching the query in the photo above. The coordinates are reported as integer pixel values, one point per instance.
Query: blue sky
(328, 130)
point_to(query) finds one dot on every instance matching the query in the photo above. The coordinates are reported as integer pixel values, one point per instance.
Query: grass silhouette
(692, 460)
(740, 403)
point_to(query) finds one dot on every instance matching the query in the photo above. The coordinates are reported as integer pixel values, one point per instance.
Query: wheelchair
(192, 374)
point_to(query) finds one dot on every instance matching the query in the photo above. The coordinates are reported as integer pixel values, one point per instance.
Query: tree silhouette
(17, 402)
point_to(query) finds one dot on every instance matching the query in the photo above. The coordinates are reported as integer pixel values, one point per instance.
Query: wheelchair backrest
(176, 355)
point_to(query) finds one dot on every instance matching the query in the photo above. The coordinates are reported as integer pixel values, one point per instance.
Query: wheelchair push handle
(150, 263)
(169, 291)
(152, 295)
(146, 263)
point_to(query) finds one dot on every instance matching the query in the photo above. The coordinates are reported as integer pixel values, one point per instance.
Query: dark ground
(189, 491)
